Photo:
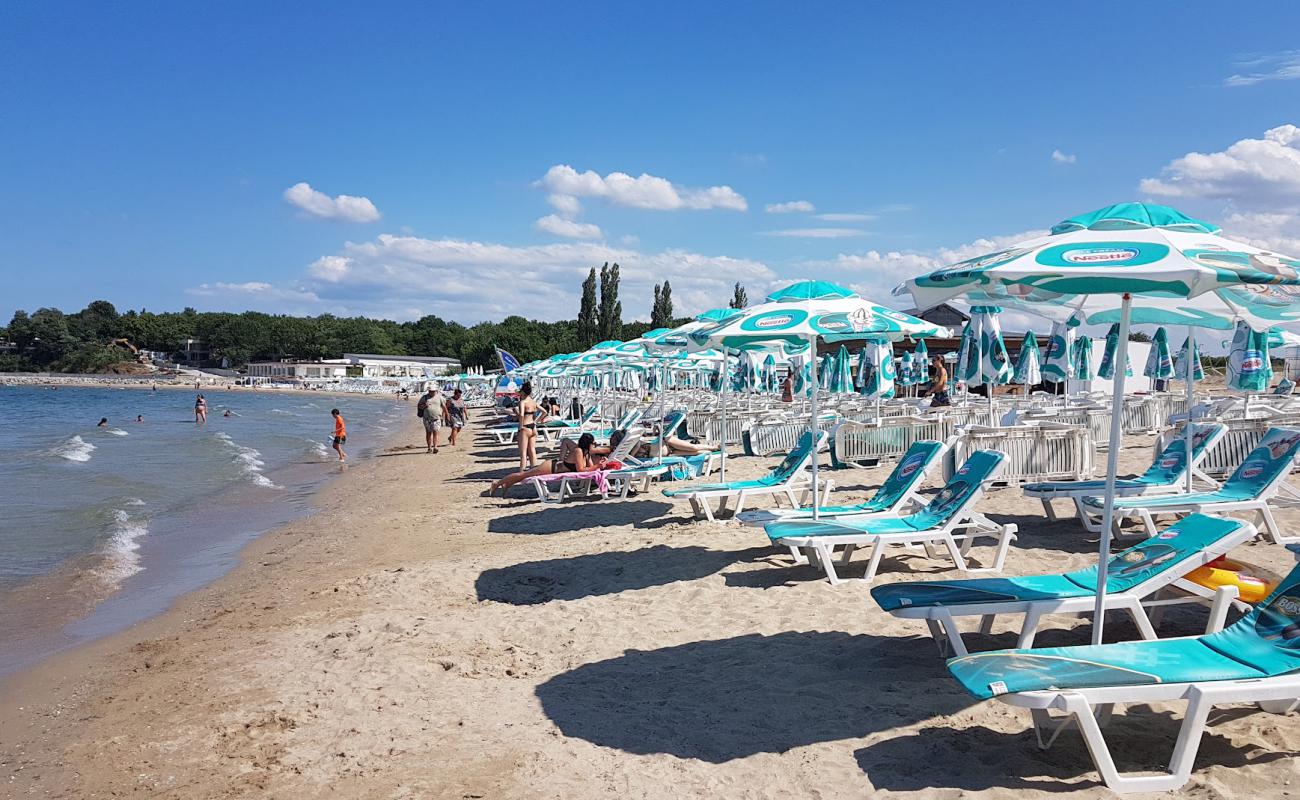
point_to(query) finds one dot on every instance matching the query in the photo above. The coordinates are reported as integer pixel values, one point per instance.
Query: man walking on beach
(432, 408)
(340, 433)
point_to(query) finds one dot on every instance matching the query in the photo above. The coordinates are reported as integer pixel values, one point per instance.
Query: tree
(610, 312)
(1138, 336)
(739, 300)
(588, 327)
(661, 313)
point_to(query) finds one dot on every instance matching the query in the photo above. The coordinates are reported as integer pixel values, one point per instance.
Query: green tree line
(91, 339)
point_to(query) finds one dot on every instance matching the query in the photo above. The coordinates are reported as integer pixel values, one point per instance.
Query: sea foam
(249, 460)
(74, 449)
(123, 548)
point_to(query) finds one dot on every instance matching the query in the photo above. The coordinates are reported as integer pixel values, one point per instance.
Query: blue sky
(148, 148)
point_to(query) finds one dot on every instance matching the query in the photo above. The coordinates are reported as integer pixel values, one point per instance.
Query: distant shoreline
(169, 383)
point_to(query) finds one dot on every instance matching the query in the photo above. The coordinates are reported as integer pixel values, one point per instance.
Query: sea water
(103, 526)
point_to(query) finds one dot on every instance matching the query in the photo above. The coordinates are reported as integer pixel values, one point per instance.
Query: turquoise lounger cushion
(714, 487)
(956, 494)
(901, 480)
(1086, 486)
(1264, 643)
(1160, 553)
(1166, 469)
(781, 473)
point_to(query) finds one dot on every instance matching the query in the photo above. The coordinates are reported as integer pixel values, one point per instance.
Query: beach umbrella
(794, 317)
(1082, 358)
(906, 376)
(1280, 337)
(800, 369)
(1181, 362)
(1249, 367)
(1028, 364)
(1058, 366)
(984, 361)
(1165, 267)
(876, 370)
(1160, 364)
(1107, 368)
(769, 373)
(841, 375)
(824, 372)
(921, 362)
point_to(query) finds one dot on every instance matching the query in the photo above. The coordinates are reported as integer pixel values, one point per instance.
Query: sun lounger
(1135, 576)
(935, 528)
(559, 485)
(702, 464)
(1256, 660)
(624, 423)
(1249, 488)
(1167, 473)
(897, 494)
(786, 479)
(506, 432)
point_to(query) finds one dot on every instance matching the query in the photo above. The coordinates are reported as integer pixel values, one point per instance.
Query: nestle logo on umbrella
(1099, 255)
(774, 321)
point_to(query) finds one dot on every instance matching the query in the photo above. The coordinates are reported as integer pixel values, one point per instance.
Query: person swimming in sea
(139, 417)
(103, 422)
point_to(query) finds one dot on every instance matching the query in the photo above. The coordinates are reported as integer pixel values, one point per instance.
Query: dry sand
(414, 639)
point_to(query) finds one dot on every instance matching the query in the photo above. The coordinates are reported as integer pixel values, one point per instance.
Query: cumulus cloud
(261, 296)
(646, 191)
(566, 204)
(567, 227)
(817, 233)
(405, 277)
(1284, 66)
(1271, 230)
(318, 204)
(1248, 171)
(791, 207)
(1064, 158)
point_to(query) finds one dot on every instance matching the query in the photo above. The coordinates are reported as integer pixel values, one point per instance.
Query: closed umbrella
(1058, 365)
(1160, 364)
(1249, 369)
(1182, 361)
(842, 377)
(906, 371)
(1028, 365)
(921, 362)
(1107, 368)
(1083, 358)
(876, 377)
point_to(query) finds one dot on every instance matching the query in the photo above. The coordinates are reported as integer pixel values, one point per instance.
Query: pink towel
(596, 476)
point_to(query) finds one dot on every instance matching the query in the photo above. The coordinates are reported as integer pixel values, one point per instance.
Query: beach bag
(421, 407)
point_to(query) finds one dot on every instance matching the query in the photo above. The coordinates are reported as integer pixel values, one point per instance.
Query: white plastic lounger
(1256, 660)
(899, 492)
(1250, 487)
(935, 528)
(1167, 473)
(1136, 577)
(785, 480)
(506, 432)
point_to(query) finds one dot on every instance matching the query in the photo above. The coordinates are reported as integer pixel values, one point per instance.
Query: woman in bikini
(575, 456)
(529, 415)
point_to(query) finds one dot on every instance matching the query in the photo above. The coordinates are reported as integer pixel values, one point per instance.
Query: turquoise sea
(103, 526)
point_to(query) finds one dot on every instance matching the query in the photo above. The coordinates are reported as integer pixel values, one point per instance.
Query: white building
(377, 366)
(291, 371)
(353, 365)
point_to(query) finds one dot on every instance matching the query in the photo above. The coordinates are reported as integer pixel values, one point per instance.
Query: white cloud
(792, 207)
(646, 191)
(875, 273)
(1271, 230)
(318, 204)
(845, 217)
(566, 204)
(567, 227)
(1250, 171)
(630, 239)
(405, 277)
(261, 296)
(1284, 66)
(817, 233)
(1064, 158)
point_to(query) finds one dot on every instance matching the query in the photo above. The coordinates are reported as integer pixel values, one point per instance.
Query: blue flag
(508, 362)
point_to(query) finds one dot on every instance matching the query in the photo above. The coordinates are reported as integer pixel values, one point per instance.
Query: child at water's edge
(340, 433)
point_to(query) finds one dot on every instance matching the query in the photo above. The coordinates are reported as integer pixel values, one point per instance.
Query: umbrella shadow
(596, 574)
(578, 516)
(725, 699)
(978, 759)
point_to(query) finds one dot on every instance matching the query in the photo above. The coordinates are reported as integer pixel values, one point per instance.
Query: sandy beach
(414, 639)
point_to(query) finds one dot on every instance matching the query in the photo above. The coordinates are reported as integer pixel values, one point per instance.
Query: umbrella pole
(812, 431)
(1112, 466)
(722, 434)
(1189, 371)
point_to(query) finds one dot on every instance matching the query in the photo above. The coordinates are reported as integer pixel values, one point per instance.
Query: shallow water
(103, 526)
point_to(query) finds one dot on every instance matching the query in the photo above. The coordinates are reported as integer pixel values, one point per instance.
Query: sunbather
(575, 456)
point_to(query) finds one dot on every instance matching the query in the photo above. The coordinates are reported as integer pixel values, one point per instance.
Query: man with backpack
(432, 408)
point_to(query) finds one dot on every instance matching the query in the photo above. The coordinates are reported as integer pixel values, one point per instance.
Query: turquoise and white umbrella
(1082, 359)
(1165, 267)
(1160, 364)
(906, 373)
(824, 369)
(1280, 337)
(1249, 369)
(1028, 368)
(876, 370)
(1182, 361)
(1058, 365)
(986, 362)
(769, 373)
(921, 362)
(841, 373)
(1107, 368)
(801, 373)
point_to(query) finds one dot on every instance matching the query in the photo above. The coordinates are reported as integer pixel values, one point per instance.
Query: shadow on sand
(731, 698)
(535, 582)
(976, 759)
(578, 515)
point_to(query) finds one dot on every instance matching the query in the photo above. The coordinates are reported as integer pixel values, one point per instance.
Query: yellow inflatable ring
(1222, 572)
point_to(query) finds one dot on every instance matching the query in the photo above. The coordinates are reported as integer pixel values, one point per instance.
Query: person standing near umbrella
(938, 390)
(787, 387)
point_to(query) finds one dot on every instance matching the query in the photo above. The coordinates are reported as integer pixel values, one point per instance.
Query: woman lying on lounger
(676, 446)
(575, 456)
